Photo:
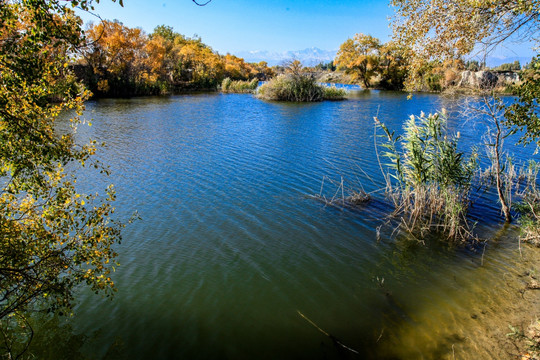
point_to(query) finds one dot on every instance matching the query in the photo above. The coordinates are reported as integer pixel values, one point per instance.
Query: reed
(334, 93)
(430, 179)
(239, 86)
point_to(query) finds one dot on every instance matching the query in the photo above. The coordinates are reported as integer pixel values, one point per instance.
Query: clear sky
(245, 25)
(232, 26)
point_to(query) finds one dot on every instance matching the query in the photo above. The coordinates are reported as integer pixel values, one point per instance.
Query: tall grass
(239, 86)
(430, 179)
(299, 88)
(334, 93)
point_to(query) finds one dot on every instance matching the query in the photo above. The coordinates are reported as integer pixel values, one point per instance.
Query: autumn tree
(52, 238)
(262, 71)
(360, 57)
(116, 56)
(393, 66)
(450, 29)
(237, 69)
(199, 65)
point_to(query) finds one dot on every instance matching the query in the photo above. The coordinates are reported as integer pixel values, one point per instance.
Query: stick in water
(327, 334)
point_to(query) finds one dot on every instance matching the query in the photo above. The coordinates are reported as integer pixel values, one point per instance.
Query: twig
(327, 334)
(380, 336)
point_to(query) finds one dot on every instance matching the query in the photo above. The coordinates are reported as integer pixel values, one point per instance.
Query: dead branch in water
(334, 339)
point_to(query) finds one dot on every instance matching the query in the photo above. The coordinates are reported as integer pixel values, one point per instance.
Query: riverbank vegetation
(448, 30)
(239, 86)
(387, 66)
(119, 61)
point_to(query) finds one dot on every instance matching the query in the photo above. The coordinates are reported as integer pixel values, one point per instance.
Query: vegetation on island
(299, 86)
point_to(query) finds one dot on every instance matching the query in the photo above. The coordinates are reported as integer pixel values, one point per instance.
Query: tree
(360, 57)
(52, 238)
(392, 66)
(524, 115)
(449, 29)
(116, 57)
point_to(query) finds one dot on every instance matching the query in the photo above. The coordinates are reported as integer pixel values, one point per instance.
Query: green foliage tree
(515, 66)
(524, 114)
(52, 238)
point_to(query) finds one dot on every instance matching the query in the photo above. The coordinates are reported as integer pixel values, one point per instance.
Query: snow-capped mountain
(308, 57)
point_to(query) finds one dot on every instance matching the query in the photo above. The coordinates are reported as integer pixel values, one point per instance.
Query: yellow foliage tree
(360, 57)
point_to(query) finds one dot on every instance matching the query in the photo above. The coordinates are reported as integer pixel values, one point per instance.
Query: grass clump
(297, 87)
(334, 93)
(431, 180)
(239, 86)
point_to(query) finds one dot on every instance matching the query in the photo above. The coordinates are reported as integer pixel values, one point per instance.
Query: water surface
(231, 248)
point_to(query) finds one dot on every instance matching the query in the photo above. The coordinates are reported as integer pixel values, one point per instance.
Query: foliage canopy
(52, 238)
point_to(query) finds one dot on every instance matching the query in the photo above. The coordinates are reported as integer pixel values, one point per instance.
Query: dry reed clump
(239, 86)
(427, 208)
(431, 179)
(334, 93)
(343, 195)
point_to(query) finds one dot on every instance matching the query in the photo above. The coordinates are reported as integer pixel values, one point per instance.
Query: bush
(298, 87)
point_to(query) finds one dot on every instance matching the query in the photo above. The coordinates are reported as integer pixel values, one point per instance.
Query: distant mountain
(308, 57)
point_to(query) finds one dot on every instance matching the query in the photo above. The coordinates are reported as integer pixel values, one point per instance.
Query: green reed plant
(432, 178)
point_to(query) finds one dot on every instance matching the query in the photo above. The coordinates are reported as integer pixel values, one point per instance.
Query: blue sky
(245, 25)
(273, 25)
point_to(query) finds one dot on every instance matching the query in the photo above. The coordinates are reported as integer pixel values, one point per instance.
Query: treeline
(119, 61)
(386, 66)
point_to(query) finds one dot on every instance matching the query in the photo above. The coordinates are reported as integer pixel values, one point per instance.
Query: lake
(233, 258)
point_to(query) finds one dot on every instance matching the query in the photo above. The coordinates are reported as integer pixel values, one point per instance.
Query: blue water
(231, 246)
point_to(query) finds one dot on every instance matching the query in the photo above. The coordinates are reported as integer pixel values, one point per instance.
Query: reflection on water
(230, 248)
